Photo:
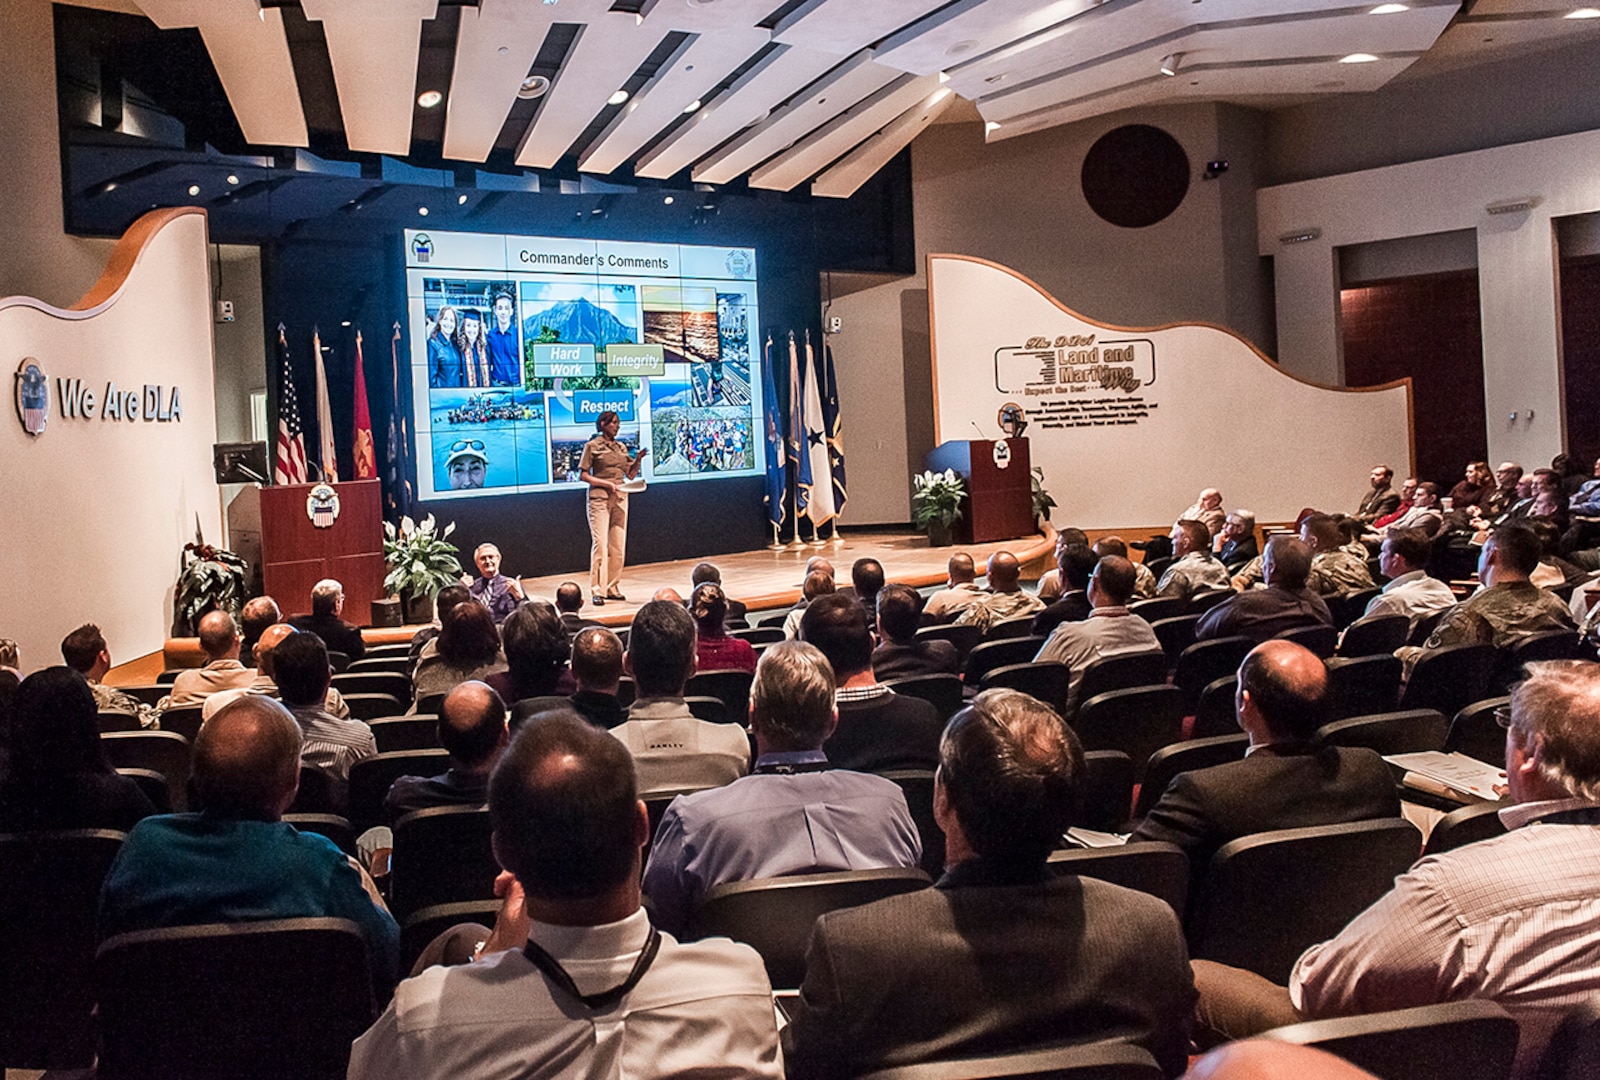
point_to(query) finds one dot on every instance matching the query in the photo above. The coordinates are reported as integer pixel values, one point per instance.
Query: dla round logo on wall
(33, 396)
(738, 263)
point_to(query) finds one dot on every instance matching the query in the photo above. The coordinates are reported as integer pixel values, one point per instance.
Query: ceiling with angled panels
(808, 95)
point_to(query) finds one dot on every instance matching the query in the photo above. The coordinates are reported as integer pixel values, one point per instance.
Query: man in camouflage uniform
(1508, 608)
(1194, 568)
(1005, 598)
(1335, 571)
(86, 652)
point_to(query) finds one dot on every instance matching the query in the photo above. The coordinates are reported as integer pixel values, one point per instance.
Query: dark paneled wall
(1428, 328)
(1580, 355)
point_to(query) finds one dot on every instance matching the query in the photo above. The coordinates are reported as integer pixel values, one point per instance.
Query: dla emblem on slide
(33, 396)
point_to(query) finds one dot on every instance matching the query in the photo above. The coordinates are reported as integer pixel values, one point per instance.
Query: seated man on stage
(327, 603)
(492, 589)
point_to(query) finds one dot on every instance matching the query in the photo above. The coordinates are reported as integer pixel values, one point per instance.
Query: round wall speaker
(1135, 175)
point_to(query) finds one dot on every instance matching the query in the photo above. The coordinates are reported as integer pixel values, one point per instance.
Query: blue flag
(777, 458)
(833, 428)
(797, 431)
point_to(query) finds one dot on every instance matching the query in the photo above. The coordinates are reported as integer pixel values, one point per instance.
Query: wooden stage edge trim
(761, 580)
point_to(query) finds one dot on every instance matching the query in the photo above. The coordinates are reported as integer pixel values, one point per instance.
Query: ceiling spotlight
(534, 86)
(461, 200)
(667, 201)
(1169, 64)
(423, 210)
(992, 125)
(232, 179)
(1358, 58)
(1583, 13)
(194, 189)
(692, 107)
(429, 98)
(1389, 9)
(109, 186)
(618, 98)
(345, 323)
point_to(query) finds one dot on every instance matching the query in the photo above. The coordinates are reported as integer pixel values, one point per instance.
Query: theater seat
(1138, 722)
(943, 692)
(1046, 681)
(166, 752)
(1359, 685)
(1408, 732)
(1181, 757)
(1466, 825)
(1159, 869)
(1122, 671)
(406, 733)
(1450, 678)
(395, 684)
(1474, 732)
(1377, 635)
(1214, 713)
(441, 855)
(282, 997)
(1092, 1061)
(1107, 790)
(1474, 1038)
(989, 655)
(371, 779)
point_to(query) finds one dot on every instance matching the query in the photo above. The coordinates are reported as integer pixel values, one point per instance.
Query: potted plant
(1042, 502)
(421, 561)
(936, 504)
(212, 579)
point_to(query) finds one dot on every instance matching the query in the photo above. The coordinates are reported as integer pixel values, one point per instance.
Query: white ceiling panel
(702, 62)
(861, 164)
(828, 143)
(969, 28)
(848, 25)
(368, 40)
(609, 49)
(777, 77)
(820, 102)
(496, 44)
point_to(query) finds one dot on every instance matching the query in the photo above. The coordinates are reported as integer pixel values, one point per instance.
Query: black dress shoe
(615, 596)
(598, 600)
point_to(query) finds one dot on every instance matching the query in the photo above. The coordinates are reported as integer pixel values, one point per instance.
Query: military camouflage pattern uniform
(1338, 573)
(997, 607)
(1144, 582)
(110, 699)
(1195, 572)
(1501, 615)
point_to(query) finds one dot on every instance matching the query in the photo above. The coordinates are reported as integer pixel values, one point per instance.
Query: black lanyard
(606, 998)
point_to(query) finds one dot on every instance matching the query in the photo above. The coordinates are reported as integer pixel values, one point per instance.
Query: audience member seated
(669, 595)
(445, 599)
(1004, 598)
(1409, 591)
(878, 729)
(1422, 514)
(327, 604)
(1237, 541)
(472, 729)
(221, 641)
(1335, 570)
(1504, 495)
(1408, 490)
(903, 655)
(1207, 510)
(597, 670)
(58, 776)
(264, 683)
(494, 590)
(818, 583)
(9, 657)
(1074, 564)
(1001, 956)
(1553, 570)
(574, 980)
(794, 815)
(468, 647)
(672, 749)
(1507, 609)
(705, 573)
(1380, 498)
(254, 618)
(300, 666)
(1110, 628)
(866, 578)
(569, 602)
(1285, 604)
(1194, 569)
(1514, 919)
(714, 650)
(1473, 488)
(237, 861)
(536, 651)
(1144, 582)
(1283, 781)
(962, 593)
(86, 652)
(1049, 587)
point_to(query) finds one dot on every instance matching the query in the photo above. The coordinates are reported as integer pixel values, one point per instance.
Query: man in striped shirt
(300, 665)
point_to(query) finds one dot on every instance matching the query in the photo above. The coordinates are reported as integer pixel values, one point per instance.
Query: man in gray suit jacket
(1001, 955)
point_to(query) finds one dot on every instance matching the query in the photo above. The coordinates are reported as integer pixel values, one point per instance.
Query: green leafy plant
(936, 499)
(212, 579)
(1042, 502)
(420, 559)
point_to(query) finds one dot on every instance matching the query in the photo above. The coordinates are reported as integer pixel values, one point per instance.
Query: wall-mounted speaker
(1135, 175)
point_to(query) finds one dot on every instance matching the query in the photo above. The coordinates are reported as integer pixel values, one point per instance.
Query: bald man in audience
(1335, 570)
(220, 641)
(1285, 604)
(1285, 780)
(1207, 510)
(597, 670)
(962, 591)
(327, 605)
(1194, 569)
(264, 683)
(1144, 582)
(238, 861)
(569, 602)
(254, 618)
(473, 731)
(1004, 599)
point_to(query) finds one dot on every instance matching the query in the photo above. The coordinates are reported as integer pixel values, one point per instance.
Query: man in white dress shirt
(1110, 628)
(1410, 591)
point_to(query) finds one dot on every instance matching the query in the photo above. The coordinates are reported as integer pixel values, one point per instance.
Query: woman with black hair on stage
(605, 467)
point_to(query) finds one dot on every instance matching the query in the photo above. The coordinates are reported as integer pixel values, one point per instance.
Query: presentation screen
(519, 343)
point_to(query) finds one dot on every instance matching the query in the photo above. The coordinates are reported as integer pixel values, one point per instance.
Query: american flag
(289, 466)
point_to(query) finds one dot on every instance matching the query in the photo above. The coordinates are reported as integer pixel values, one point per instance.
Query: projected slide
(519, 343)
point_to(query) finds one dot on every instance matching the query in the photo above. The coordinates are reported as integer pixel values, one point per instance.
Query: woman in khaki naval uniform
(605, 466)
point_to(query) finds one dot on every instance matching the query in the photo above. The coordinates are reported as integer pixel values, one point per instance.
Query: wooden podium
(999, 502)
(295, 554)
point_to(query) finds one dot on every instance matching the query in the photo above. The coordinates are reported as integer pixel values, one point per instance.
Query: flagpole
(796, 544)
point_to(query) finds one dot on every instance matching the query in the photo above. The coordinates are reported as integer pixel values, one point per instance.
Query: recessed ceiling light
(618, 98)
(693, 106)
(534, 86)
(423, 210)
(1389, 9)
(345, 323)
(232, 179)
(461, 200)
(1358, 58)
(667, 201)
(194, 189)
(961, 47)
(429, 98)
(502, 50)
(1583, 13)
